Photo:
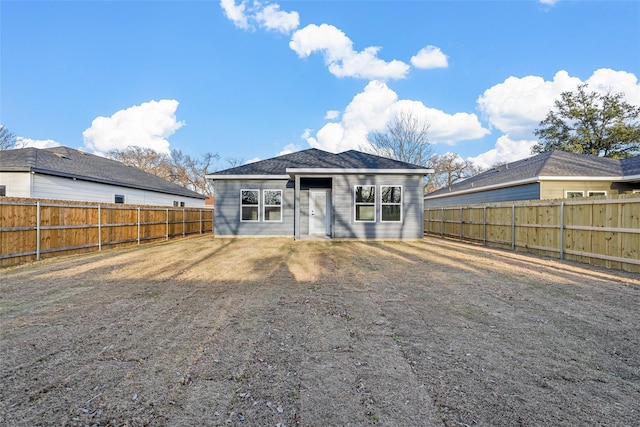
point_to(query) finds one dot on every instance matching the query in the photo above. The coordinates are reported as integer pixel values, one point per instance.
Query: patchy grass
(204, 331)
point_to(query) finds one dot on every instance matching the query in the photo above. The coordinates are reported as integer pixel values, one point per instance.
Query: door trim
(327, 218)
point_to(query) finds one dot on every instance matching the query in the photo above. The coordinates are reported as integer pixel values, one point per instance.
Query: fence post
(513, 227)
(461, 223)
(184, 231)
(428, 221)
(200, 221)
(138, 224)
(99, 228)
(562, 230)
(38, 230)
(167, 225)
(442, 222)
(484, 225)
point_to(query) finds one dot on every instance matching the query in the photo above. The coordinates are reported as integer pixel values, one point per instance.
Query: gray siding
(509, 194)
(344, 224)
(227, 209)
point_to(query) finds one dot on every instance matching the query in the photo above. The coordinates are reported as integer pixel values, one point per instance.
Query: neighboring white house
(62, 173)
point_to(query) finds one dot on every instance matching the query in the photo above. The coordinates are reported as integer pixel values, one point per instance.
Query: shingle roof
(317, 159)
(630, 166)
(549, 164)
(69, 163)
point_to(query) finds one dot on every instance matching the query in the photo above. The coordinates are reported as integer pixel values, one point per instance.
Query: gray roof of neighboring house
(69, 163)
(549, 164)
(318, 159)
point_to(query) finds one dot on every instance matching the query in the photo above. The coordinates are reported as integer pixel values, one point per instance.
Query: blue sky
(251, 80)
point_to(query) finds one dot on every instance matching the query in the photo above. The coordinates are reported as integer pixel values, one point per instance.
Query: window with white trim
(3, 190)
(365, 203)
(118, 198)
(572, 194)
(596, 193)
(272, 202)
(249, 205)
(390, 203)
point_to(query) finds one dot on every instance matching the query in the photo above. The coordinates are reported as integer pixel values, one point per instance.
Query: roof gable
(315, 159)
(70, 163)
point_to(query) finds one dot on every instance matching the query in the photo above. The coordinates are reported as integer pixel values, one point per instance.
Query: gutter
(194, 195)
(534, 180)
(292, 172)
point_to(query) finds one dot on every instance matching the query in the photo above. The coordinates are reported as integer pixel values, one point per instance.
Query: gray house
(61, 173)
(550, 175)
(316, 193)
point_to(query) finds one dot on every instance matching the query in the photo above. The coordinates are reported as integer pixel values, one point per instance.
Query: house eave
(356, 171)
(115, 183)
(292, 172)
(245, 177)
(484, 188)
(534, 180)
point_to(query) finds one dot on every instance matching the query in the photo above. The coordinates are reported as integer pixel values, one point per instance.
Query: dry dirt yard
(272, 332)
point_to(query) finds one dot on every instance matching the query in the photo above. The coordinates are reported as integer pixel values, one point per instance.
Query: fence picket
(58, 227)
(603, 232)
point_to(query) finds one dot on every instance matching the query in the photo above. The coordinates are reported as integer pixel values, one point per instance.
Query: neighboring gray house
(550, 175)
(316, 193)
(62, 173)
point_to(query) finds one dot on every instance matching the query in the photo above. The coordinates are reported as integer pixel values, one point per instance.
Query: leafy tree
(7, 139)
(591, 123)
(405, 139)
(177, 167)
(448, 168)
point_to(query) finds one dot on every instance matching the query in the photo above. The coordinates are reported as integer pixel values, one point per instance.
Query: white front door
(318, 217)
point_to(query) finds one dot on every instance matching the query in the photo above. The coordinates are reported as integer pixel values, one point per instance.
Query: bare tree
(178, 168)
(405, 139)
(7, 139)
(234, 161)
(190, 172)
(449, 168)
(146, 159)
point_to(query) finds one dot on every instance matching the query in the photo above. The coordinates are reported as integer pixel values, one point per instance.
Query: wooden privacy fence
(32, 229)
(599, 232)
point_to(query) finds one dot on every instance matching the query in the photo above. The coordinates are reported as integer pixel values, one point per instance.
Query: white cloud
(291, 148)
(430, 57)
(517, 105)
(332, 115)
(246, 14)
(605, 79)
(549, 2)
(370, 110)
(35, 143)
(306, 134)
(272, 18)
(146, 125)
(255, 159)
(445, 128)
(340, 57)
(505, 150)
(235, 13)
